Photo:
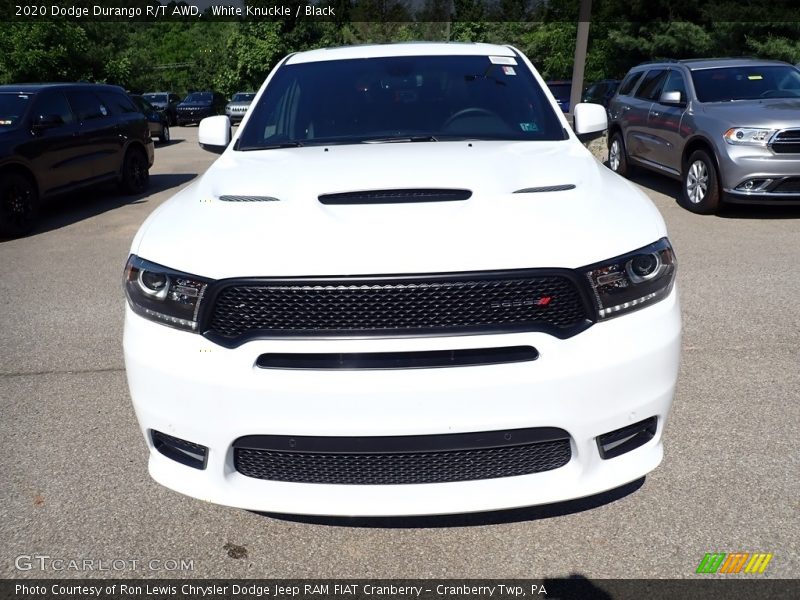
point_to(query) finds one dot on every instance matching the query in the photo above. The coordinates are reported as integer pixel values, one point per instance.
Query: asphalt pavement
(73, 472)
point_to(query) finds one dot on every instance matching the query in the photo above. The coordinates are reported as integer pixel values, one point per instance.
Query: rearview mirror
(43, 122)
(673, 97)
(589, 121)
(214, 134)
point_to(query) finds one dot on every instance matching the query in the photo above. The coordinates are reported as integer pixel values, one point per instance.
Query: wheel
(19, 202)
(618, 157)
(164, 137)
(135, 172)
(700, 189)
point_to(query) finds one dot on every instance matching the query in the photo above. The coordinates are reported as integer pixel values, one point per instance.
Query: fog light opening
(185, 452)
(620, 441)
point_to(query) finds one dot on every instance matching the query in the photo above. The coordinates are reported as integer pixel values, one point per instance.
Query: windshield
(12, 107)
(243, 97)
(415, 98)
(199, 97)
(746, 83)
(158, 98)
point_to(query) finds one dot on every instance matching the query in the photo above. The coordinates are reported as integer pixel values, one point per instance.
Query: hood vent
(248, 199)
(547, 188)
(396, 196)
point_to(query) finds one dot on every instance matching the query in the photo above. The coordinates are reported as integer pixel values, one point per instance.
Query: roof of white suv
(403, 49)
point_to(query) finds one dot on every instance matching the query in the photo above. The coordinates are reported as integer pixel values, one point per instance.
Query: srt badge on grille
(541, 301)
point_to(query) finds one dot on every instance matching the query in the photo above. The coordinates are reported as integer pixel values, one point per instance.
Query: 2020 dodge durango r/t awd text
(404, 288)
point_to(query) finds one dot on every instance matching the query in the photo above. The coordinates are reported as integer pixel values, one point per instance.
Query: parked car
(400, 290)
(561, 90)
(237, 107)
(166, 102)
(156, 120)
(728, 129)
(198, 105)
(55, 138)
(601, 92)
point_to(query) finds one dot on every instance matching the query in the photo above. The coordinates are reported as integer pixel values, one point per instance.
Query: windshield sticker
(755, 77)
(529, 127)
(503, 60)
(509, 71)
(5, 122)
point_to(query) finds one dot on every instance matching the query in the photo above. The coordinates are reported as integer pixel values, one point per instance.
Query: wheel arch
(24, 171)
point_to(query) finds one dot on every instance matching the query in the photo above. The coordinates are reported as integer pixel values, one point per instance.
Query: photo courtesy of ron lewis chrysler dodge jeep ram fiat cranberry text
(404, 288)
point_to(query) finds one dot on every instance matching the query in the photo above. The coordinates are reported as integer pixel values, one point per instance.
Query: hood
(296, 234)
(777, 113)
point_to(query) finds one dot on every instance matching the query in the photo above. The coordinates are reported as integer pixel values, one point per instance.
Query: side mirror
(673, 97)
(43, 122)
(214, 134)
(589, 121)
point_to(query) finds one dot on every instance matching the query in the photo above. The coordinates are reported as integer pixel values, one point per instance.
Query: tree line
(230, 56)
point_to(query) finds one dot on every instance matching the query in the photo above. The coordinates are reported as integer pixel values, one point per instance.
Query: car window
(352, 101)
(630, 82)
(12, 108)
(86, 105)
(117, 103)
(52, 102)
(650, 88)
(155, 97)
(675, 83)
(746, 83)
(242, 97)
(199, 97)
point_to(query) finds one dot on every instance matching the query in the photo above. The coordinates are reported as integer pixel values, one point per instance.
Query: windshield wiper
(399, 139)
(271, 146)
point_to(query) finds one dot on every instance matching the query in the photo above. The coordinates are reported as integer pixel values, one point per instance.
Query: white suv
(404, 288)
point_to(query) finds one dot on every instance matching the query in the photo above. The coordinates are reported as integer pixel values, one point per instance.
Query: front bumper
(780, 174)
(612, 375)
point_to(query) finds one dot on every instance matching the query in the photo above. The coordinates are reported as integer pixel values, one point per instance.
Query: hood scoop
(546, 188)
(396, 196)
(248, 199)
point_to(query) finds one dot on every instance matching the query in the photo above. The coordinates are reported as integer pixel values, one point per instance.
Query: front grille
(790, 185)
(786, 142)
(397, 306)
(382, 461)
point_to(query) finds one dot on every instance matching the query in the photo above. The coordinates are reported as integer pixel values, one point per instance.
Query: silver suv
(729, 129)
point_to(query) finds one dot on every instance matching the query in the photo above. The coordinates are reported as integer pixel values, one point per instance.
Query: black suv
(199, 105)
(58, 137)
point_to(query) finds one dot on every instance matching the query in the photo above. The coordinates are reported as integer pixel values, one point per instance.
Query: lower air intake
(402, 460)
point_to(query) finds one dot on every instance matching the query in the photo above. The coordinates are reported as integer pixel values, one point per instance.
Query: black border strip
(403, 444)
(356, 361)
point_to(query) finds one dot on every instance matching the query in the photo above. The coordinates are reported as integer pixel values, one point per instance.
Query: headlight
(749, 136)
(633, 280)
(162, 294)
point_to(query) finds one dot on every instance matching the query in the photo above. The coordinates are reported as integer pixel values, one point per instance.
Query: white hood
(602, 217)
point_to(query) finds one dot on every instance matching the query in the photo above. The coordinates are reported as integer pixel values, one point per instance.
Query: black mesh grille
(787, 142)
(398, 307)
(790, 185)
(402, 468)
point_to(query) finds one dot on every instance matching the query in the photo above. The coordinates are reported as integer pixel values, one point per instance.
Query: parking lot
(74, 464)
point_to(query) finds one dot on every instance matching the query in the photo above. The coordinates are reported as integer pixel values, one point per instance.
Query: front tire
(164, 137)
(135, 172)
(617, 156)
(19, 201)
(700, 189)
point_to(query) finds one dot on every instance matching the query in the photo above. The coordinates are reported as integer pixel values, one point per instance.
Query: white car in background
(404, 288)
